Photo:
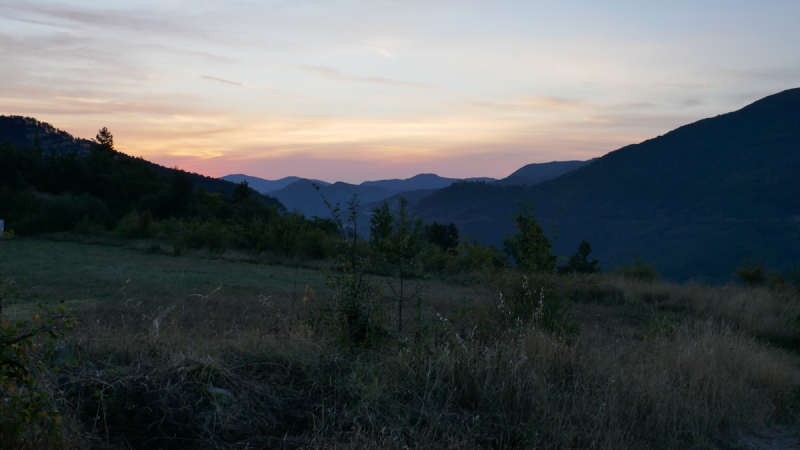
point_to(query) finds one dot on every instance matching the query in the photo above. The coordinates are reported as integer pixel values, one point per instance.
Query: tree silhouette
(241, 192)
(579, 262)
(104, 141)
(530, 248)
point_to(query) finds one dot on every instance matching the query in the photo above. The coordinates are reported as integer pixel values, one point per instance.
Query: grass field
(224, 351)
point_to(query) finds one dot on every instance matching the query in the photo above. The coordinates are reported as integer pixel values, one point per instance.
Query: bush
(531, 298)
(529, 247)
(26, 411)
(638, 271)
(211, 234)
(63, 212)
(751, 275)
(355, 313)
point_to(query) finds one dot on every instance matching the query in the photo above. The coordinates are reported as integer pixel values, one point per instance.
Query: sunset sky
(362, 90)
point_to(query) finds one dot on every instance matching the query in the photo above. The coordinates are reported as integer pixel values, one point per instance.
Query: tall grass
(222, 372)
(770, 313)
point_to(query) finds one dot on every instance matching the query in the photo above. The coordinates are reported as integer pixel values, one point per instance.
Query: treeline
(105, 191)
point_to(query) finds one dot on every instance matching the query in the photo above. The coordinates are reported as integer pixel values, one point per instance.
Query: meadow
(232, 350)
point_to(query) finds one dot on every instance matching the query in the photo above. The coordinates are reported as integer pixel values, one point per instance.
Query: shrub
(751, 275)
(579, 262)
(531, 298)
(26, 411)
(63, 212)
(638, 271)
(529, 247)
(355, 313)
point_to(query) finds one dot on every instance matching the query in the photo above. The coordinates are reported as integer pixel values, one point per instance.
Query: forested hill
(696, 202)
(27, 132)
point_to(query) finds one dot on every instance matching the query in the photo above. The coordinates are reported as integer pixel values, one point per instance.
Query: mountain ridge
(696, 201)
(21, 131)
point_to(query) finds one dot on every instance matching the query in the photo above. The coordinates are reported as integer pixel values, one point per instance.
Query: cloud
(335, 74)
(248, 86)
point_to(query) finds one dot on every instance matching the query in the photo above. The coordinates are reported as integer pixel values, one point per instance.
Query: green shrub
(638, 271)
(63, 212)
(751, 275)
(529, 247)
(26, 411)
(533, 298)
(210, 234)
(355, 314)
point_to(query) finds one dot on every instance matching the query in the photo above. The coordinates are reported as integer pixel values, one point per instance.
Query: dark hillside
(532, 174)
(22, 132)
(696, 201)
(267, 186)
(417, 182)
(302, 196)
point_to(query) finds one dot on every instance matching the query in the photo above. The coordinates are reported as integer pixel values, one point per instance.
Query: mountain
(413, 198)
(302, 196)
(417, 182)
(267, 186)
(536, 173)
(22, 131)
(696, 202)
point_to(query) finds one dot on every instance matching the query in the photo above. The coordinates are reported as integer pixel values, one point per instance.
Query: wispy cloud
(338, 75)
(248, 86)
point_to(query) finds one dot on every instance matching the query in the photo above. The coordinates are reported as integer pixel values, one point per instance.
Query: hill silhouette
(22, 132)
(267, 186)
(417, 182)
(302, 196)
(532, 174)
(696, 201)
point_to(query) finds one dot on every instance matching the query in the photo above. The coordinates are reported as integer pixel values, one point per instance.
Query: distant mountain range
(267, 186)
(533, 174)
(299, 194)
(696, 202)
(417, 182)
(22, 132)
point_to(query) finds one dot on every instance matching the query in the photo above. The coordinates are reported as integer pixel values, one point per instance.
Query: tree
(398, 239)
(104, 141)
(530, 248)
(241, 192)
(579, 262)
(445, 236)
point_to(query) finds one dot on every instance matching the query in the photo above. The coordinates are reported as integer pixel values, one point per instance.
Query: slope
(696, 201)
(532, 174)
(267, 186)
(302, 196)
(22, 132)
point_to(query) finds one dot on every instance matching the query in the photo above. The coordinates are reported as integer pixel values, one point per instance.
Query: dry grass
(654, 366)
(220, 373)
(773, 314)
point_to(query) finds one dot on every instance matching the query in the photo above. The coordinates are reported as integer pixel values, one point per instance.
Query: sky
(346, 90)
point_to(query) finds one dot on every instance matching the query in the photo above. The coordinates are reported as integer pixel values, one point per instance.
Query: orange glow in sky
(353, 91)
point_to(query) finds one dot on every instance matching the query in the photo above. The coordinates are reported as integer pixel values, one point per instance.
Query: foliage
(398, 241)
(532, 299)
(241, 192)
(638, 271)
(63, 212)
(355, 312)
(26, 410)
(443, 236)
(579, 262)
(529, 247)
(104, 141)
